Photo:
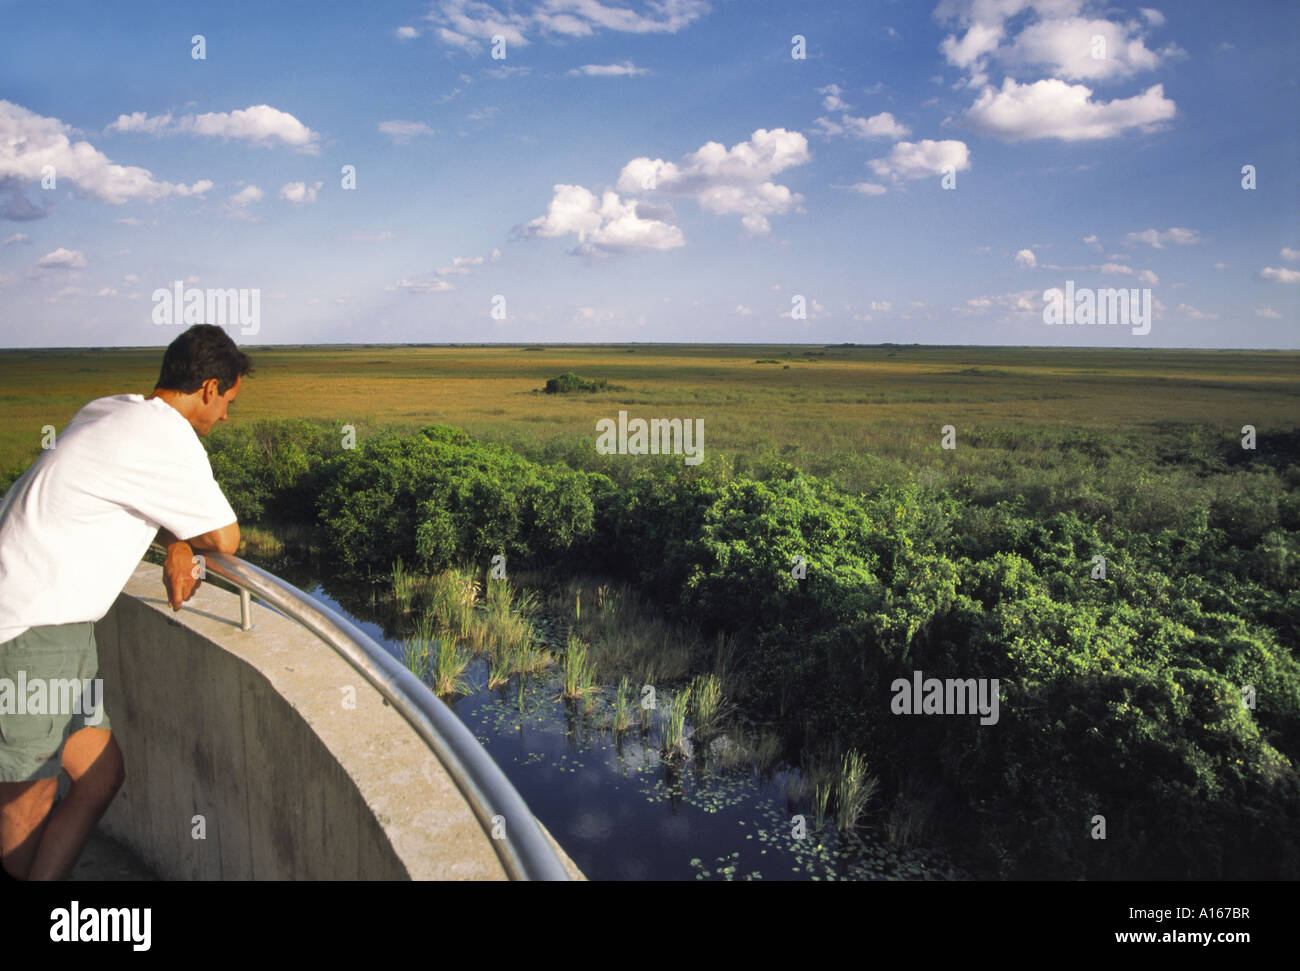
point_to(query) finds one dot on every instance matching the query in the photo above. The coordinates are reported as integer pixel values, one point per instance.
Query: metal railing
(523, 849)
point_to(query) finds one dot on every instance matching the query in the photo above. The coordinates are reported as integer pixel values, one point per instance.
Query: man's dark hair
(202, 352)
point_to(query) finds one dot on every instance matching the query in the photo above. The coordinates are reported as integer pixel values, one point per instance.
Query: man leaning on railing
(127, 470)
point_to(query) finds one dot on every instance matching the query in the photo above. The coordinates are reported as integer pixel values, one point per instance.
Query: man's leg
(94, 763)
(24, 810)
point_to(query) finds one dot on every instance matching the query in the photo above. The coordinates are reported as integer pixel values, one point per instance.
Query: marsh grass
(579, 672)
(451, 598)
(854, 791)
(622, 706)
(448, 663)
(415, 656)
(628, 637)
(674, 736)
(708, 704)
(404, 586)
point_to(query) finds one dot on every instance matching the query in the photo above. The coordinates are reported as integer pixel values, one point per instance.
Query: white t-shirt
(75, 525)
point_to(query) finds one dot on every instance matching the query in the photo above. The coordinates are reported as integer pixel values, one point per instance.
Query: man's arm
(223, 540)
(180, 574)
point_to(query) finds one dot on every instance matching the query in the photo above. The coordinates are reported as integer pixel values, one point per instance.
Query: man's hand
(180, 574)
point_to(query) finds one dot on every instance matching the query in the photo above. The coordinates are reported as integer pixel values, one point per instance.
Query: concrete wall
(249, 730)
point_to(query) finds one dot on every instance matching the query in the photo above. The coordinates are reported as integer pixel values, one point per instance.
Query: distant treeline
(1123, 697)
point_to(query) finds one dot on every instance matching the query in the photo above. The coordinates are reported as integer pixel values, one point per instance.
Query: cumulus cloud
(29, 142)
(1187, 310)
(468, 24)
(605, 225)
(883, 125)
(917, 160)
(1290, 254)
(626, 69)
(406, 33)
(1026, 258)
(402, 132)
(1156, 238)
(1267, 312)
(867, 189)
(62, 259)
(1056, 36)
(16, 238)
(832, 100)
(727, 181)
(1054, 109)
(246, 196)
(300, 193)
(257, 125)
(1280, 274)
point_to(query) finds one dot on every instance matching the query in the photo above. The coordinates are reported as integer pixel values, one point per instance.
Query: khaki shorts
(49, 688)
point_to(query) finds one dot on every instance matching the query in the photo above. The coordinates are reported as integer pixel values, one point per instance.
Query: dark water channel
(622, 812)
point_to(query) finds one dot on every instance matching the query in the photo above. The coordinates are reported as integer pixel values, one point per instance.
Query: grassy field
(845, 412)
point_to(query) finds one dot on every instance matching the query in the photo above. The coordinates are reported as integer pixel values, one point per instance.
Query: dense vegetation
(570, 383)
(1120, 697)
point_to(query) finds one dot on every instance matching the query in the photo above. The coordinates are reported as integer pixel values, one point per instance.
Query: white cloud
(29, 141)
(1157, 239)
(131, 278)
(1054, 109)
(421, 286)
(1055, 36)
(1149, 278)
(362, 237)
(1280, 274)
(467, 24)
(883, 125)
(743, 310)
(107, 292)
(1187, 310)
(917, 160)
(832, 100)
(62, 259)
(138, 121)
(1154, 17)
(495, 257)
(406, 33)
(256, 124)
(1018, 302)
(626, 69)
(1220, 266)
(17, 238)
(1026, 258)
(723, 180)
(607, 225)
(1065, 48)
(868, 188)
(1290, 254)
(299, 193)
(883, 306)
(401, 132)
(246, 196)
(1268, 312)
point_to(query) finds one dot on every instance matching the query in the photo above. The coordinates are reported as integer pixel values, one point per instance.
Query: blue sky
(650, 171)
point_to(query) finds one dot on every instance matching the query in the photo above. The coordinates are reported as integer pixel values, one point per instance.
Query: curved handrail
(524, 851)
